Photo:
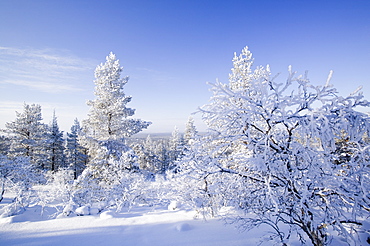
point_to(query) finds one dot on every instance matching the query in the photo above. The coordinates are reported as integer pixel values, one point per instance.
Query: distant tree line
(49, 149)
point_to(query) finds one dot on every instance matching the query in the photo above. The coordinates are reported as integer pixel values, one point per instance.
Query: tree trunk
(316, 236)
(2, 191)
(317, 240)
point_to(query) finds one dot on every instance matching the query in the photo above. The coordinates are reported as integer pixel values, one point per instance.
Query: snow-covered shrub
(110, 186)
(83, 210)
(68, 209)
(57, 191)
(273, 153)
(199, 184)
(107, 215)
(17, 176)
(174, 205)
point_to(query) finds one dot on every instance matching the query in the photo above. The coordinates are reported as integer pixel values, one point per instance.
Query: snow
(174, 205)
(84, 210)
(140, 226)
(297, 161)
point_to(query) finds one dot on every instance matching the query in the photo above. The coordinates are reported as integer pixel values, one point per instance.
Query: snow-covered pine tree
(28, 135)
(55, 147)
(108, 118)
(76, 155)
(104, 134)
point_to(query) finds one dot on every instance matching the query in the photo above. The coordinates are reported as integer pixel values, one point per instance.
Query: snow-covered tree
(57, 191)
(273, 154)
(149, 144)
(108, 122)
(55, 146)
(4, 145)
(108, 115)
(191, 133)
(162, 152)
(28, 135)
(147, 157)
(175, 148)
(104, 134)
(194, 181)
(76, 157)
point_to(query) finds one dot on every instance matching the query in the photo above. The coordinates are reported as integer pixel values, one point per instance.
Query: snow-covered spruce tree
(175, 148)
(190, 133)
(28, 135)
(111, 162)
(273, 155)
(149, 144)
(161, 151)
(76, 157)
(54, 147)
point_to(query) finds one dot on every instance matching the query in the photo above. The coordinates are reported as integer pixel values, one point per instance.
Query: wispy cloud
(11, 106)
(45, 70)
(42, 85)
(152, 75)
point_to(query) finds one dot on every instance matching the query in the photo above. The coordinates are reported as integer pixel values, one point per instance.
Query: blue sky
(170, 49)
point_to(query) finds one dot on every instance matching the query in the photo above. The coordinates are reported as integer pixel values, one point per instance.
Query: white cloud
(12, 106)
(42, 85)
(45, 70)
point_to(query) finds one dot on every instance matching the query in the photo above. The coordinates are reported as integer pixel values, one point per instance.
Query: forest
(280, 152)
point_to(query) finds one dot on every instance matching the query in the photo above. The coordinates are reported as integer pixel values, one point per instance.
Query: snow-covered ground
(140, 226)
(154, 226)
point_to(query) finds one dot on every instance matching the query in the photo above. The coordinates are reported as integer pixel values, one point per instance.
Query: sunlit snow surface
(154, 226)
(140, 226)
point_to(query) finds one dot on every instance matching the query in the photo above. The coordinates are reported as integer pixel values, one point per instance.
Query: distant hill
(163, 135)
(153, 135)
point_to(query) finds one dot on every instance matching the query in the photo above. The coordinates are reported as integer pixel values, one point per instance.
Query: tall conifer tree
(55, 146)
(104, 134)
(75, 153)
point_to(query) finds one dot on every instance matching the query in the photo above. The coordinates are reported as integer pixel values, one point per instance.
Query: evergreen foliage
(4, 145)
(191, 133)
(28, 135)
(55, 158)
(176, 147)
(103, 135)
(76, 155)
